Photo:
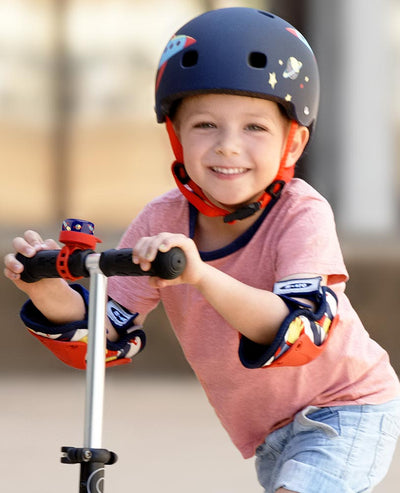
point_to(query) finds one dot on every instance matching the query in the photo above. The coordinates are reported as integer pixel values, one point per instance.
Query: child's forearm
(57, 301)
(61, 305)
(254, 312)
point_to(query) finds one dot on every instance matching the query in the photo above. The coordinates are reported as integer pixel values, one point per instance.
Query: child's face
(232, 145)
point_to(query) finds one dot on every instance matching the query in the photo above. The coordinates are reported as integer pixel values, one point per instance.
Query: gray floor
(165, 433)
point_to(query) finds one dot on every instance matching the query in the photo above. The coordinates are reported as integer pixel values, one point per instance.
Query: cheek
(193, 151)
(267, 155)
(192, 162)
(189, 155)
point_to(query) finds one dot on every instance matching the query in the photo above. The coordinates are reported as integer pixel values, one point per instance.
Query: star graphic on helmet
(272, 80)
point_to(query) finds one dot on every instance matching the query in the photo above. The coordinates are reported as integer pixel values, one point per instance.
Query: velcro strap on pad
(309, 289)
(120, 318)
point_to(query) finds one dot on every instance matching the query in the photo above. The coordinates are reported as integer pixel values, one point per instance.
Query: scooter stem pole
(95, 371)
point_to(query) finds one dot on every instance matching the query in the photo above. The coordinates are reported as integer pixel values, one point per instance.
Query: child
(260, 309)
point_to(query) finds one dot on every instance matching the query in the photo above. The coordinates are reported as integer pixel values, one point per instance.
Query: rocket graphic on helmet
(174, 46)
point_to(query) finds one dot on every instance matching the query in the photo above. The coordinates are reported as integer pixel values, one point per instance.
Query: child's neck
(211, 233)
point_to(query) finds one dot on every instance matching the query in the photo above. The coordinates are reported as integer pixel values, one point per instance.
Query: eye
(254, 127)
(204, 125)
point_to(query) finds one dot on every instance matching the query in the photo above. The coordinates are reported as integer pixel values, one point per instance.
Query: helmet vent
(267, 14)
(257, 59)
(189, 58)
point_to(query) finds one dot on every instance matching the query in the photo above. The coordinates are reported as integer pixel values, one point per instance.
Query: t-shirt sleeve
(307, 241)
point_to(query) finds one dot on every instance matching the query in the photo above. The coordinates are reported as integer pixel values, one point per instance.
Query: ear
(297, 146)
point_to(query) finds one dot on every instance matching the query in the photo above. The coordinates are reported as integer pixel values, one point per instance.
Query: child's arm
(56, 313)
(52, 297)
(255, 313)
(288, 328)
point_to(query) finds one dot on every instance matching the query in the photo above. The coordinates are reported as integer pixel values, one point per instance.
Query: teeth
(229, 171)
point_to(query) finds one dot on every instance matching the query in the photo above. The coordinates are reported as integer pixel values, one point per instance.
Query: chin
(237, 205)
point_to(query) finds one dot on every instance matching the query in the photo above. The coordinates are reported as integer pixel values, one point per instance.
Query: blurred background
(78, 138)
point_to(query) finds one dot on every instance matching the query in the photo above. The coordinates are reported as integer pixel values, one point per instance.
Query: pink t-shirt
(297, 236)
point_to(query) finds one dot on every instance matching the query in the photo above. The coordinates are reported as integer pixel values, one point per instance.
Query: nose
(228, 143)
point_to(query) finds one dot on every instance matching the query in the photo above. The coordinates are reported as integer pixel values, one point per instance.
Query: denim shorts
(342, 449)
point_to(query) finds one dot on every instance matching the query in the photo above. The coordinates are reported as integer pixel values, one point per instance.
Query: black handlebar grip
(167, 265)
(44, 265)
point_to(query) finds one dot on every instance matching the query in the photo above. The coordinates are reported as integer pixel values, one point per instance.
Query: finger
(162, 242)
(13, 276)
(145, 250)
(145, 265)
(32, 242)
(33, 238)
(137, 251)
(51, 244)
(155, 282)
(167, 241)
(10, 275)
(158, 283)
(22, 246)
(177, 240)
(164, 247)
(12, 266)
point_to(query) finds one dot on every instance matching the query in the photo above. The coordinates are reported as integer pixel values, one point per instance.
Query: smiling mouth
(229, 171)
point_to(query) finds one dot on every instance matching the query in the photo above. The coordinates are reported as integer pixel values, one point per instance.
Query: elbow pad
(69, 342)
(303, 334)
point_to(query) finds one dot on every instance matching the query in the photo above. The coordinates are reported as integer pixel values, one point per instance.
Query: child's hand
(28, 245)
(146, 250)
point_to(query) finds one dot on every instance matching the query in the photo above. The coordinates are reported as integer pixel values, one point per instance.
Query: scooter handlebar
(114, 262)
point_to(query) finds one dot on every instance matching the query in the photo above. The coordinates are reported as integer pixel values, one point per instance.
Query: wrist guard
(121, 319)
(304, 332)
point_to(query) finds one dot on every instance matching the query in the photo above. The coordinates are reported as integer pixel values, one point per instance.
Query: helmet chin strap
(195, 195)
